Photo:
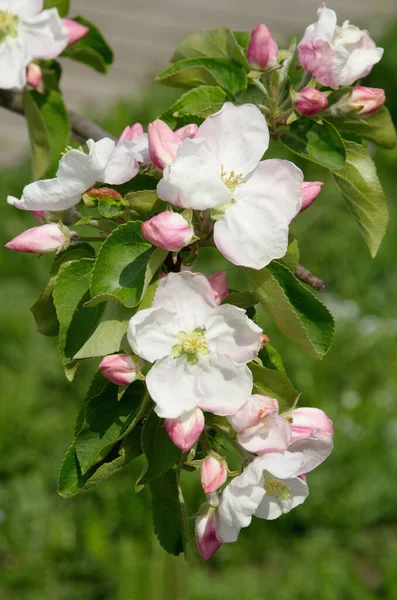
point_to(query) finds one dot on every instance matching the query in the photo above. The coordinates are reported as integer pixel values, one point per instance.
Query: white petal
(224, 532)
(273, 507)
(325, 27)
(238, 136)
(171, 382)
(14, 58)
(283, 465)
(189, 295)
(22, 8)
(193, 180)
(254, 230)
(45, 35)
(229, 331)
(123, 164)
(152, 333)
(237, 505)
(251, 476)
(348, 67)
(100, 154)
(49, 194)
(315, 449)
(225, 386)
(275, 439)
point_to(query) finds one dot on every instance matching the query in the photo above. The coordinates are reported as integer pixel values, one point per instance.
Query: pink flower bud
(39, 240)
(163, 144)
(188, 131)
(42, 216)
(310, 102)
(264, 340)
(207, 542)
(218, 283)
(308, 421)
(34, 75)
(367, 99)
(186, 429)
(310, 191)
(262, 50)
(131, 133)
(213, 474)
(168, 230)
(119, 369)
(76, 31)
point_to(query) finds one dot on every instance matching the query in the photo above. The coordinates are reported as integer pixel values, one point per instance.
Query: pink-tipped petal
(163, 144)
(185, 430)
(220, 288)
(188, 131)
(365, 100)
(76, 31)
(310, 191)
(119, 369)
(34, 75)
(213, 474)
(206, 539)
(130, 133)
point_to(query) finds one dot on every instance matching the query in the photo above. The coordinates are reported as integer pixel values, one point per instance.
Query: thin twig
(82, 129)
(310, 278)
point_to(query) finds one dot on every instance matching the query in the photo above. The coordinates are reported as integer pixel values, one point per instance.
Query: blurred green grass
(341, 544)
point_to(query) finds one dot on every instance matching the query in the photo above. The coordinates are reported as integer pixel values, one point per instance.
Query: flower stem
(306, 77)
(260, 87)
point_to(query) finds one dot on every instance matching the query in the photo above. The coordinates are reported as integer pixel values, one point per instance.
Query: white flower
(220, 169)
(334, 55)
(26, 33)
(200, 350)
(77, 171)
(268, 487)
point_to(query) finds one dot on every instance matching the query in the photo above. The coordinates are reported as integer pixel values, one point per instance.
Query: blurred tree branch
(310, 278)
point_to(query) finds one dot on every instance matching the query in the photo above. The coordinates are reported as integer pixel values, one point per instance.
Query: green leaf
(321, 144)
(71, 481)
(275, 384)
(106, 420)
(361, 188)
(167, 512)
(199, 102)
(144, 204)
(61, 5)
(193, 72)
(243, 38)
(49, 130)
(213, 43)
(271, 358)
(76, 323)
(125, 266)
(43, 309)
(291, 258)
(161, 454)
(92, 50)
(294, 309)
(242, 299)
(377, 128)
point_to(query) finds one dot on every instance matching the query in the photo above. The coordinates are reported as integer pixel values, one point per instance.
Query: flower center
(191, 345)
(8, 25)
(275, 487)
(231, 179)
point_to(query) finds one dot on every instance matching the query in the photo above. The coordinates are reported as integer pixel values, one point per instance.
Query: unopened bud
(76, 31)
(163, 144)
(213, 474)
(310, 191)
(168, 230)
(262, 49)
(207, 542)
(218, 283)
(120, 369)
(310, 102)
(188, 131)
(307, 421)
(186, 429)
(364, 100)
(34, 75)
(41, 240)
(264, 340)
(130, 133)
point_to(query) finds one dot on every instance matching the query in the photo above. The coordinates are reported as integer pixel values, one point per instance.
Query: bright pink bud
(262, 50)
(76, 31)
(186, 429)
(308, 421)
(310, 191)
(218, 283)
(39, 240)
(34, 75)
(131, 133)
(168, 230)
(188, 131)
(213, 474)
(119, 369)
(207, 542)
(367, 99)
(163, 144)
(310, 102)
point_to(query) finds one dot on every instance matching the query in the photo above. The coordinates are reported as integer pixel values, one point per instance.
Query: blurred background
(342, 543)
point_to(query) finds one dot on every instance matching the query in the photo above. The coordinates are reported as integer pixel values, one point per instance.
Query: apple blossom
(185, 430)
(76, 31)
(262, 50)
(79, 171)
(164, 143)
(220, 169)
(218, 283)
(310, 191)
(205, 526)
(168, 230)
(311, 435)
(363, 100)
(42, 240)
(199, 349)
(334, 55)
(268, 487)
(310, 102)
(119, 368)
(27, 32)
(34, 75)
(213, 474)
